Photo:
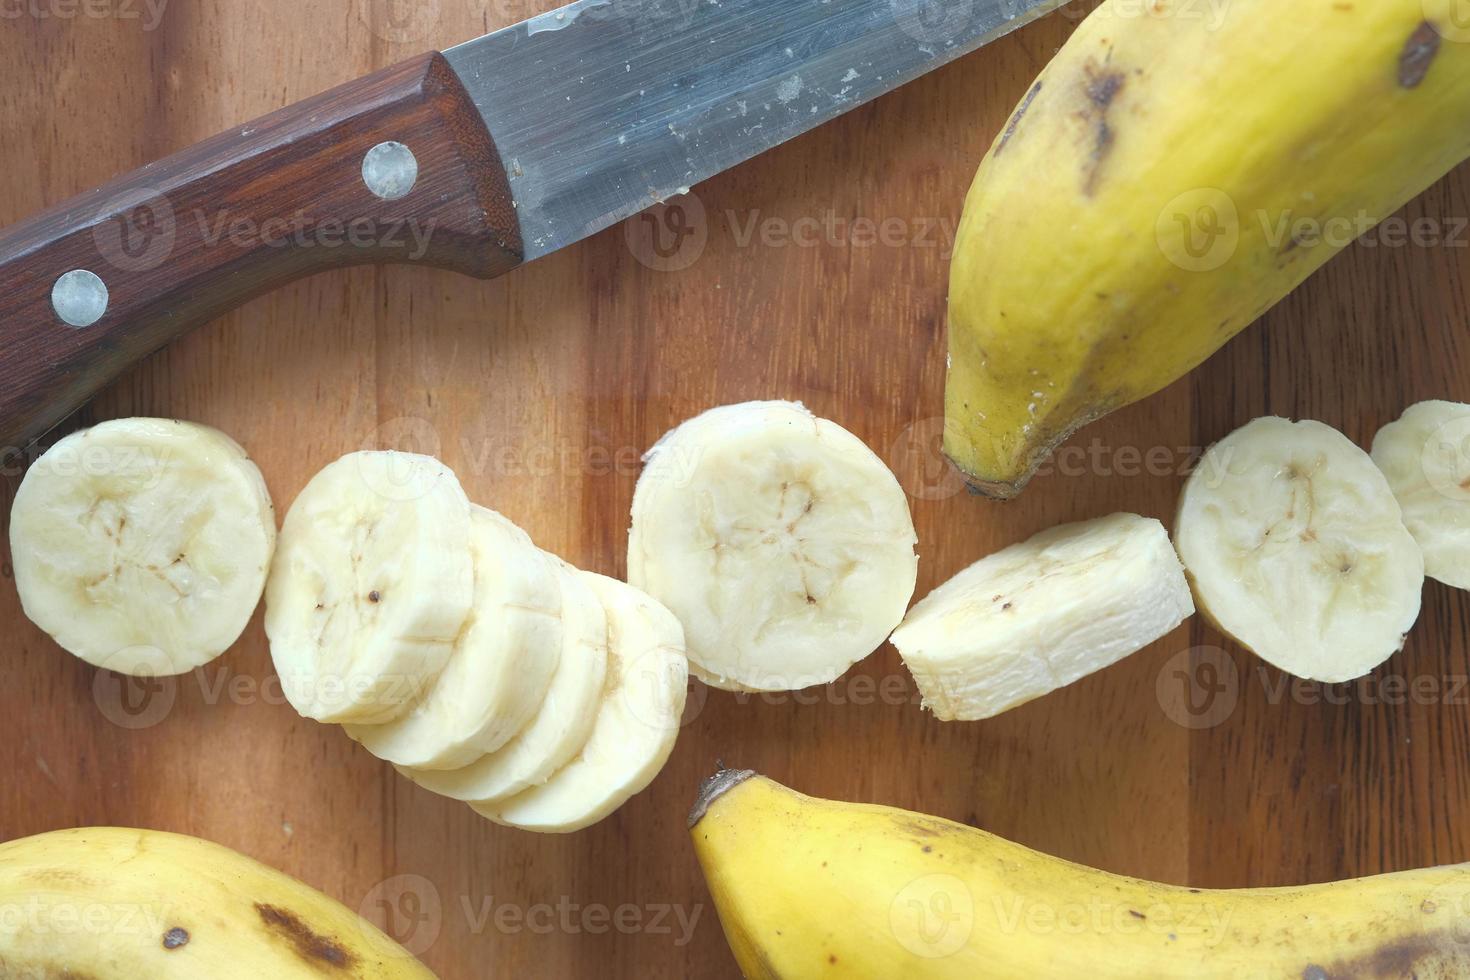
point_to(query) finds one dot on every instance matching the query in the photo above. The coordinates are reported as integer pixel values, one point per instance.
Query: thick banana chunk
(501, 666)
(142, 545)
(371, 585)
(779, 540)
(1426, 457)
(1296, 547)
(1042, 614)
(636, 724)
(563, 720)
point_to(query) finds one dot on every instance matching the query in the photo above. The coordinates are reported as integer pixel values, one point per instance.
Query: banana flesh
(1042, 614)
(1296, 547)
(780, 541)
(1426, 456)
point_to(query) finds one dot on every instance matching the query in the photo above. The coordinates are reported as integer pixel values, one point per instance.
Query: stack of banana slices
(447, 643)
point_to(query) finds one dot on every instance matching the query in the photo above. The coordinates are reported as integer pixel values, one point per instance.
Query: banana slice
(142, 545)
(782, 543)
(371, 585)
(563, 720)
(1426, 457)
(1042, 614)
(1296, 548)
(636, 724)
(501, 666)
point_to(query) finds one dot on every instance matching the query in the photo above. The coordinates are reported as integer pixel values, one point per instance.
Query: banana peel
(1169, 178)
(810, 888)
(111, 903)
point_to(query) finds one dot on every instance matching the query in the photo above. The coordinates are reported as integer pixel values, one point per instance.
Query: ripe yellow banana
(108, 903)
(815, 888)
(1173, 174)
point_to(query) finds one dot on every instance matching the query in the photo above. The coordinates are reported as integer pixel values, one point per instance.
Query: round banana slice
(1426, 457)
(1042, 614)
(636, 724)
(779, 540)
(501, 666)
(563, 720)
(1296, 548)
(371, 585)
(142, 535)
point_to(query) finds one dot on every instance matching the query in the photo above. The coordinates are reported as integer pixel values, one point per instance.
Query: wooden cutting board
(816, 272)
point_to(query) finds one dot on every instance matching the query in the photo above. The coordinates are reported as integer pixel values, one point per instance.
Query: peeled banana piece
(563, 720)
(1042, 614)
(500, 667)
(1296, 547)
(779, 540)
(371, 585)
(636, 724)
(810, 888)
(1426, 456)
(1169, 178)
(110, 903)
(141, 545)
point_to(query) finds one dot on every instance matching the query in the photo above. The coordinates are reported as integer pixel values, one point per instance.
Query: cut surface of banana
(1296, 547)
(1425, 455)
(564, 719)
(1042, 614)
(371, 585)
(501, 666)
(782, 543)
(142, 545)
(637, 721)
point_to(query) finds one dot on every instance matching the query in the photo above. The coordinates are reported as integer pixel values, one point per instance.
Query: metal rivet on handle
(390, 170)
(80, 298)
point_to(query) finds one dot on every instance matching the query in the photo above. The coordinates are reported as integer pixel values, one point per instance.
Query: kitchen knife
(488, 155)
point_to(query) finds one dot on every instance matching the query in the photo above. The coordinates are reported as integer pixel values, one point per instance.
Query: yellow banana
(1176, 170)
(814, 888)
(108, 903)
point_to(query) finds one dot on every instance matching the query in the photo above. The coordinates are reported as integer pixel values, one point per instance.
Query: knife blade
(604, 107)
(500, 150)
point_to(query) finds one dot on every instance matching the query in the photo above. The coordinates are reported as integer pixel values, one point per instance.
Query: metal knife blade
(604, 107)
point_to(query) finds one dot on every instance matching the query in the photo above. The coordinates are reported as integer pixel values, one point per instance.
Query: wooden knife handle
(194, 235)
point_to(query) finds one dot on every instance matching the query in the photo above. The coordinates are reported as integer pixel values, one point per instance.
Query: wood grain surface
(814, 272)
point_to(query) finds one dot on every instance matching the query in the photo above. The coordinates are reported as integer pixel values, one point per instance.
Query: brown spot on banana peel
(1101, 87)
(317, 950)
(1402, 956)
(1418, 54)
(1016, 117)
